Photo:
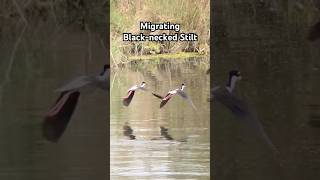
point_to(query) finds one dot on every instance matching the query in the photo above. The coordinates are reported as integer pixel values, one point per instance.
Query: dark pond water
(27, 85)
(280, 69)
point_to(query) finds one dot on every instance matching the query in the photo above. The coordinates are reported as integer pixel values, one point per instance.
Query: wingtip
(125, 102)
(58, 117)
(162, 104)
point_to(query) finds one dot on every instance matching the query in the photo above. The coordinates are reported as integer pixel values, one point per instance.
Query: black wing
(127, 100)
(59, 115)
(166, 99)
(157, 95)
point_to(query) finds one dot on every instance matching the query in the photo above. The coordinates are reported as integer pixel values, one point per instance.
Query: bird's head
(234, 75)
(182, 86)
(143, 84)
(105, 68)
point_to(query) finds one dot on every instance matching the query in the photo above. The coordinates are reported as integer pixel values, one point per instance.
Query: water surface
(185, 157)
(27, 92)
(268, 43)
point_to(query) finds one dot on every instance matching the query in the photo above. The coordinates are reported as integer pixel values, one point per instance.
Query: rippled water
(280, 69)
(149, 156)
(37, 70)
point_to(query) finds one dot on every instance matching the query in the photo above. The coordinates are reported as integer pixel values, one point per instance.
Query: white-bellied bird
(127, 100)
(180, 91)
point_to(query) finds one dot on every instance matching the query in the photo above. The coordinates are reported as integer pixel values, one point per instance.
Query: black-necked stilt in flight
(57, 118)
(127, 100)
(170, 94)
(239, 108)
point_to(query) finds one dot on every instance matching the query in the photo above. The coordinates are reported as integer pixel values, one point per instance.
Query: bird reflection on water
(128, 131)
(164, 134)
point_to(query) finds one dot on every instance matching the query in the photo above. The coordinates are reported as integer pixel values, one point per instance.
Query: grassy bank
(193, 16)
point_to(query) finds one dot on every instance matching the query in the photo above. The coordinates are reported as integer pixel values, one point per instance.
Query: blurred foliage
(193, 16)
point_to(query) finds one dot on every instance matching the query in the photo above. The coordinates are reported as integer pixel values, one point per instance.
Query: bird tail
(157, 95)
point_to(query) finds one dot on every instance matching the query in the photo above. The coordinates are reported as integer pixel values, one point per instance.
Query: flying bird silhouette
(127, 100)
(239, 108)
(180, 91)
(59, 115)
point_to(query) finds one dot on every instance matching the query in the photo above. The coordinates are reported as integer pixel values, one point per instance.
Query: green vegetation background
(193, 16)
